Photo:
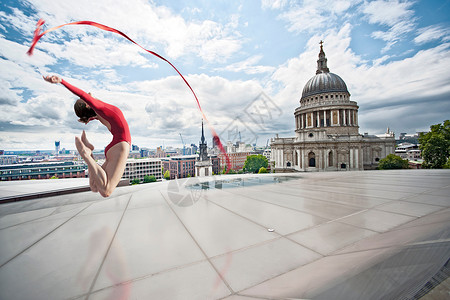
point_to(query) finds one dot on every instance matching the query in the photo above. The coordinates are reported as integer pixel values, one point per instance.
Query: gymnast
(102, 179)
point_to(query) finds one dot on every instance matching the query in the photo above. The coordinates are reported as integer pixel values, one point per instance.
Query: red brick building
(237, 160)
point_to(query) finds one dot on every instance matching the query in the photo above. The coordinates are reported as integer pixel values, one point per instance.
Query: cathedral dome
(324, 83)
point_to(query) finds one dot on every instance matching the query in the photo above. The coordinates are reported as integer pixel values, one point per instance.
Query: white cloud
(98, 51)
(395, 14)
(146, 23)
(273, 4)
(432, 33)
(19, 21)
(313, 15)
(387, 12)
(249, 66)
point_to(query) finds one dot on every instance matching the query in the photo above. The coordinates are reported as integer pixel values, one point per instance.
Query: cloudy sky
(246, 60)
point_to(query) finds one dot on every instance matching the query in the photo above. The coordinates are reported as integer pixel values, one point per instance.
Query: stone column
(301, 118)
(344, 118)
(318, 118)
(303, 159)
(351, 159)
(338, 117)
(324, 118)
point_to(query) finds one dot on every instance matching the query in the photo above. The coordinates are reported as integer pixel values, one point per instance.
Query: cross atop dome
(322, 61)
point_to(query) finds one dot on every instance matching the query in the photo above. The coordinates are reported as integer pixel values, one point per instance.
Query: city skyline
(247, 62)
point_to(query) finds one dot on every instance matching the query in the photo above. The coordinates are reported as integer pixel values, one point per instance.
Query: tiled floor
(343, 235)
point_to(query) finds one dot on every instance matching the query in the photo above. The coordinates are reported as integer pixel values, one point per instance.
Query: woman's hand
(52, 79)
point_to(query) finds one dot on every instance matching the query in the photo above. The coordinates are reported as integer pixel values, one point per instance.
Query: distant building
(159, 153)
(327, 133)
(144, 152)
(408, 138)
(138, 168)
(414, 155)
(57, 147)
(134, 154)
(203, 165)
(268, 154)
(180, 166)
(134, 148)
(238, 147)
(215, 164)
(8, 159)
(237, 160)
(403, 149)
(66, 169)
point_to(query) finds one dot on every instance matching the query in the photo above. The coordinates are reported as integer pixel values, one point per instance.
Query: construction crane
(184, 145)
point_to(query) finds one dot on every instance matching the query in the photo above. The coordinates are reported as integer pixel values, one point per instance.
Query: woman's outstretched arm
(91, 101)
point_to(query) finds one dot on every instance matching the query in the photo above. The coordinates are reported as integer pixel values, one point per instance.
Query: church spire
(203, 135)
(322, 61)
(203, 155)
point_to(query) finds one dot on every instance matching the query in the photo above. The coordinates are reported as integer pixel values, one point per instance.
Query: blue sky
(393, 55)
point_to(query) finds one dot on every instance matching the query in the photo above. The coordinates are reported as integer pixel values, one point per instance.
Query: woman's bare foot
(85, 141)
(82, 148)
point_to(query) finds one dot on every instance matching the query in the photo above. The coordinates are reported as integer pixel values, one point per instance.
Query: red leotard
(112, 114)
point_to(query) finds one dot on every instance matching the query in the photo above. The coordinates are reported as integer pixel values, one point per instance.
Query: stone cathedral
(327, 133)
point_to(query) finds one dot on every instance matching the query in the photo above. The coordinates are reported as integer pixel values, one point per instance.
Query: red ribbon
(37, 36)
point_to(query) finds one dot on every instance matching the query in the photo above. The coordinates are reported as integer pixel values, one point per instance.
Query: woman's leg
(90, 146)
(107, 178)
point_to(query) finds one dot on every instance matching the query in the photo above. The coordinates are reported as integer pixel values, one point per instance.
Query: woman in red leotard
(102, 179)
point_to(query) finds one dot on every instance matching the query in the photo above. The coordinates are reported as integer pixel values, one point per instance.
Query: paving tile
(324, 209)
(442, 200)
(63, 264)
(282, 220)
(310, 279)
(376, 220)
(330, 237)
(198, 281)
(215, 237)
(409, 208)
(149, 240)
(246, 268)
(18, 218)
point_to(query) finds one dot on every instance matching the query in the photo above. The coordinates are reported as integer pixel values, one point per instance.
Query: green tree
(54, 177)
(435, 146)
(262, 170)
(167, 175)
(393, 161)
(150, 178)
(447, 164)
(254, 162)
(135, 181)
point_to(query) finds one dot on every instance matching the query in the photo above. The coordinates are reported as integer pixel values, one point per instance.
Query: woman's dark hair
(83, 112)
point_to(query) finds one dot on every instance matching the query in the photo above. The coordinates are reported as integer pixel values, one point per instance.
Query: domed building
(327, 133)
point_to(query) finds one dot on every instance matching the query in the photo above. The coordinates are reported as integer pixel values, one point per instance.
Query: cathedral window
(312, 159)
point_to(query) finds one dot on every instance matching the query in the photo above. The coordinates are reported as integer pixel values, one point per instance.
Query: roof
(336, 235)
(324, 83)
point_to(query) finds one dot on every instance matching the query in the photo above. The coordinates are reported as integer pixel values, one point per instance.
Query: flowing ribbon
(37, 36)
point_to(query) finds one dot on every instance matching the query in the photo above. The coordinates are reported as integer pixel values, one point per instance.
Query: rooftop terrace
(339, 235)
